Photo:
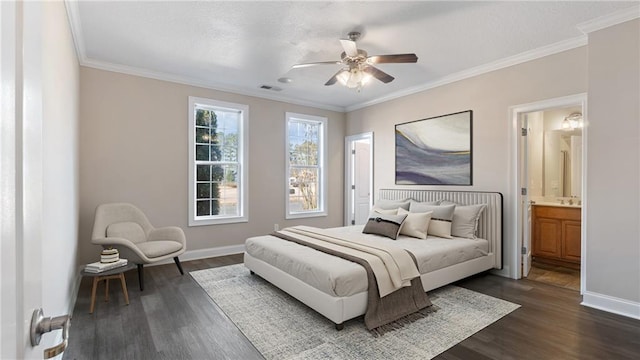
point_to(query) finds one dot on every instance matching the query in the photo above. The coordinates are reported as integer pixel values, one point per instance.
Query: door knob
(41, 325)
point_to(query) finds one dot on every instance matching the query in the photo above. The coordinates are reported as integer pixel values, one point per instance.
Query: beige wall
(609, 69)
(60, 109)
(134, 148)
(613, 165)
(489, 96)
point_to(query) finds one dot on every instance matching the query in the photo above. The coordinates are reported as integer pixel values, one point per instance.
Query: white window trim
(322, 198)
(243, 149)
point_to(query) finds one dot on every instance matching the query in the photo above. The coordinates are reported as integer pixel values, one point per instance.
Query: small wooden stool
(117, 273)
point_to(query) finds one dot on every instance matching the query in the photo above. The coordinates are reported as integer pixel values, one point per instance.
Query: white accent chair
(126, 228)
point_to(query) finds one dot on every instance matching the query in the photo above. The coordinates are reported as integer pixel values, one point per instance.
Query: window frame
(322, 165)
(243, 163)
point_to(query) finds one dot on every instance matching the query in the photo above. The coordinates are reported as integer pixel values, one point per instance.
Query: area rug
(281, 327)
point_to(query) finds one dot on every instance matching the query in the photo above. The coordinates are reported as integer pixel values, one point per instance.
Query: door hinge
(523, 191)
(353, 152)
(353, 222)
(353, 187)
(524, 250)
(524, 131)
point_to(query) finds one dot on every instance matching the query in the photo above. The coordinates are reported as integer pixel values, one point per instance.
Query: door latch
(41, 325)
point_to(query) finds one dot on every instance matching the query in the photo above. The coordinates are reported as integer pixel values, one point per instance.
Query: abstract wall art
(435, 151)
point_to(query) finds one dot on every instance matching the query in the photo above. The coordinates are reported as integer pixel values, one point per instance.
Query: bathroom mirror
(562, 163)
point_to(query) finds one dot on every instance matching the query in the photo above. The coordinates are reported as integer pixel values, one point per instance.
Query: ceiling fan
(358, 66)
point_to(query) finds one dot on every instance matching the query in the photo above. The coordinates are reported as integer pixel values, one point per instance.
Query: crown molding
(157, 75)
(73, 16)
(608, 20)
(482, 69)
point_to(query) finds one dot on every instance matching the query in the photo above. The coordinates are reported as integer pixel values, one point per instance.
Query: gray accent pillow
(392, 204)
(384, 225)
(440, 224)
(465, 219)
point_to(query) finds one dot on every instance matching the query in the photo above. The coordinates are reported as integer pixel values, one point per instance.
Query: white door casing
(516, 181)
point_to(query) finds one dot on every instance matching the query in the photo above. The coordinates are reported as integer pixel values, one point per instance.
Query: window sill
(222, 221)
(305, 215)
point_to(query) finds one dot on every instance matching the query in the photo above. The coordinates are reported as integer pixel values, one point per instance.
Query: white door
(21, 175)
(358, 178)
(362, 181)
(525, 203)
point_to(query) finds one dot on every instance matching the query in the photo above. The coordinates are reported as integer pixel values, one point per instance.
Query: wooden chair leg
(178, 265)
(93, 294)
(124, 288)
(141, 276)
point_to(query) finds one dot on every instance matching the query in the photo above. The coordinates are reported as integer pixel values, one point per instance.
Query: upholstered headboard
(490, 223)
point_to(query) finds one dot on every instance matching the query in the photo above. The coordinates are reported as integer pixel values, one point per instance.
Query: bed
(332, 286)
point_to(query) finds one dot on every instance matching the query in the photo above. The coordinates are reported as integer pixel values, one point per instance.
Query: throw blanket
(381, 310)
(393, 266)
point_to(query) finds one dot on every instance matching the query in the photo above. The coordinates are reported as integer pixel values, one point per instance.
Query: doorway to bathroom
(550, 179)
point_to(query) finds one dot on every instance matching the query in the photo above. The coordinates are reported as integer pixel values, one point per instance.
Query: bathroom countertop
(557, 204)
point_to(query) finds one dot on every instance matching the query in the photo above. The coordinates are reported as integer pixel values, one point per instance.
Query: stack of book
(98, 267)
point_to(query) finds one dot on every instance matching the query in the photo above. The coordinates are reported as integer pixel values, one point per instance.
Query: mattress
(339, 277)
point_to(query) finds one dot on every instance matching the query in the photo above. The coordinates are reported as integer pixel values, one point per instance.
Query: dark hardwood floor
(173, 318)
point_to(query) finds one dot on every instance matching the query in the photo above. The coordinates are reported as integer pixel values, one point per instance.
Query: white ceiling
(238, 46)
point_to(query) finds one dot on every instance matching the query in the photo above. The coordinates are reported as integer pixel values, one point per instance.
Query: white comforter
(339, 277)
(393, 266)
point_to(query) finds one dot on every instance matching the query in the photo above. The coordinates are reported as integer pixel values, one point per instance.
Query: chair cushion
(127, 230)
(159, 248)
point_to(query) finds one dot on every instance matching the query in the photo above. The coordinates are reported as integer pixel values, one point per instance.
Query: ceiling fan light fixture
(354, 78)
(358, 66)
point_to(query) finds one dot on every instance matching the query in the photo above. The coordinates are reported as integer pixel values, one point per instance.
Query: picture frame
(435, 151)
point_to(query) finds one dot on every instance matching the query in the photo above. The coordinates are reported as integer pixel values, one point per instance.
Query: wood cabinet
(556, 234)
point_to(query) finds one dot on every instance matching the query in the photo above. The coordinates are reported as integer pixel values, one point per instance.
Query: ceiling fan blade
(378, 74)
(334, 79)
(349, 47)
(396, 58)
(297, 66)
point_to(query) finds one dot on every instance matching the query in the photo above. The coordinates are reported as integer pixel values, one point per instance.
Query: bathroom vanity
(556, 234)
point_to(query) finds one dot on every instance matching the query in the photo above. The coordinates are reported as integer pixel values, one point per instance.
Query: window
(217, 162)
(306, 174)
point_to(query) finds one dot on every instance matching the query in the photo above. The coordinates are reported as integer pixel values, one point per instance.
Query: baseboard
(504, 272)
(611, 304)
(205, 253)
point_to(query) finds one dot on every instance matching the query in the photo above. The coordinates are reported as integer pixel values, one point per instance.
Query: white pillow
(414, 206)
(416, 224)
(386, 212)
(392, 204)
(465, 219)
(440, 224)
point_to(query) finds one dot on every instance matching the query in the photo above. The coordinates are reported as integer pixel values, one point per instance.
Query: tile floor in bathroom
(555, 275)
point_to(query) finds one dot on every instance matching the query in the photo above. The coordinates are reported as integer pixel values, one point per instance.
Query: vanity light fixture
(572, 121)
